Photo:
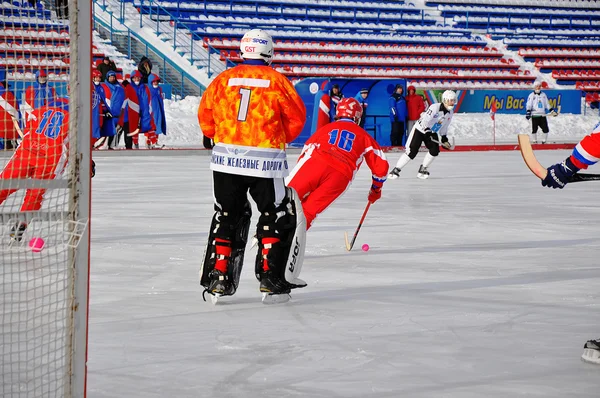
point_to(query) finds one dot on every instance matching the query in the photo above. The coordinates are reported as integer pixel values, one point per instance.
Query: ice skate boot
(591, 352)
(395, 173)
(219, 283)
(17, 231)
(274, 289)
(423, 174)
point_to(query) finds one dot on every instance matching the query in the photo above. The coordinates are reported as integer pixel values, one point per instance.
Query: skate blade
(214, 298)
(422, 176)
(591, 356)
(269, 298)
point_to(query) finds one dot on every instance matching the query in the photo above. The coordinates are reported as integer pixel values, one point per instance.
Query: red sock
(267, 242)
(223, 248)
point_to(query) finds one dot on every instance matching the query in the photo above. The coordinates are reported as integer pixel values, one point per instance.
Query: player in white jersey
(432, 125)
(536, 107)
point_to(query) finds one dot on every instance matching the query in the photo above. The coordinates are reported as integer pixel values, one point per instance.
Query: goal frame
(80, 32)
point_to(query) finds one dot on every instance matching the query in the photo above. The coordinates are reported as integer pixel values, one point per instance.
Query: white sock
(403, 161)
(534, 135)
(428, 160)
(544, 137)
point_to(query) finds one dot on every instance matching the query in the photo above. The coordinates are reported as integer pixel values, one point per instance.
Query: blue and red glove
(559, 174)
(375, 192)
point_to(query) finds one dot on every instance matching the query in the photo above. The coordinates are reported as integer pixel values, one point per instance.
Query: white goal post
(45, 198)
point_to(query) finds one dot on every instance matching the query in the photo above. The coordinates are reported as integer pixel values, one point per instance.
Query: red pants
(317, 184)
(23, 165)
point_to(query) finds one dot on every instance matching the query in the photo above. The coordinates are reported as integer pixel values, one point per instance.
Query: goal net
(45, 161)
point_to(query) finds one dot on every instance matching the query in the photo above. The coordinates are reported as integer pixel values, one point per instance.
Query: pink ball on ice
(365, 247)
(36, 244)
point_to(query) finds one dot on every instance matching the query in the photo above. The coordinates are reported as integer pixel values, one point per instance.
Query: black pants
(417, 138)
(397, 133)
(231, 193)
(541, 122)
(128, 139)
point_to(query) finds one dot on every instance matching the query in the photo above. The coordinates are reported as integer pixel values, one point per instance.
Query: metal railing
(179, 35)
(135, 46)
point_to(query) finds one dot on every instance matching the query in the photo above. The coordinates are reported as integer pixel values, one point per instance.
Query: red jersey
(587, 152)
(46, 136)
(346, 145)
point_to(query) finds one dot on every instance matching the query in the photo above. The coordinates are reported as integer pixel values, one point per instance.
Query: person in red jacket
(415, 105)
(330, 159)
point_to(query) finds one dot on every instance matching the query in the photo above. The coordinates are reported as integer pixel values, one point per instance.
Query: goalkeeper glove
(528, 115)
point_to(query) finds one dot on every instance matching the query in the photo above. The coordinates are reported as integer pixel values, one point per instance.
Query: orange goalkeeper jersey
(252, 106)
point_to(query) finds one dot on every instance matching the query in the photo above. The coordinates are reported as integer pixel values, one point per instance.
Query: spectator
(158, 110)
(415, 105)
(115, 97)
(398, 113)
(146, 122)
(335, 96)
(145, 68)
(361, 97)
(38, 94)
(104, 109)
(106, 66)
(62, 9)
(9, 117)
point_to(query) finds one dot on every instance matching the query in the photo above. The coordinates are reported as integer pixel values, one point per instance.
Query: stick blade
(529, 157)
(348, 247)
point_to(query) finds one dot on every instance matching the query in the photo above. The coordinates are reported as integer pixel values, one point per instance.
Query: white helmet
(449, 99)
(257, 44)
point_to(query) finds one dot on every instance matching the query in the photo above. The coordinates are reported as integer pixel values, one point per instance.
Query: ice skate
(219, 285)
(423, 174)
(591, 352)
(274, 290)
(395, 173)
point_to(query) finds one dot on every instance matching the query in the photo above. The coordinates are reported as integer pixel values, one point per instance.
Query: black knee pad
(238, 235)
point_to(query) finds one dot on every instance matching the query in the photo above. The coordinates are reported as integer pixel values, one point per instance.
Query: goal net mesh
(40, 223)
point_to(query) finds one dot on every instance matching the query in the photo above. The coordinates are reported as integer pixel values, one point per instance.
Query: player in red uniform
(39, 156)
(585, 154)
(331, 158)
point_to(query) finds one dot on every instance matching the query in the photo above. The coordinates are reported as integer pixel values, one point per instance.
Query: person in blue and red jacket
(146, 122)
(130, 114)
(158, 108)
(37, 95)
(115, 96)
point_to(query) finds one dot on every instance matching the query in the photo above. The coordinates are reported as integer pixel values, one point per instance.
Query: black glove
(108, 115)
(528, 115)
(444, 139)
(559, 174)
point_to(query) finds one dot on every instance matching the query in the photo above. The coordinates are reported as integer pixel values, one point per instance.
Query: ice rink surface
(478, 283)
